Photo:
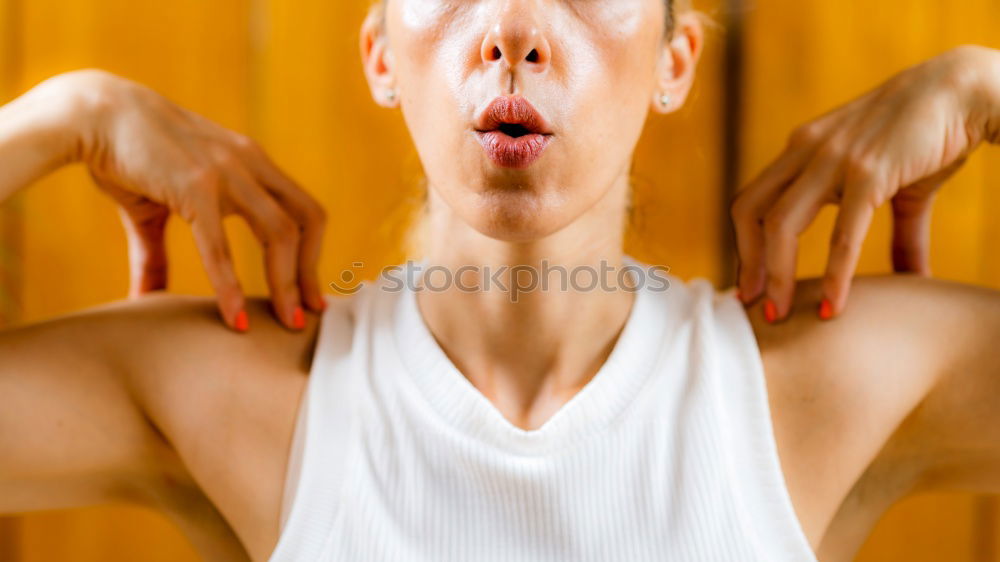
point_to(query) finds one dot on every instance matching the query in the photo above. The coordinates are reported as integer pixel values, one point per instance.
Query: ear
(676, 70)
(376, 59)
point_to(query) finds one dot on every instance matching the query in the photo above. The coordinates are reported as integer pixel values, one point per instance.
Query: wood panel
(196, 53)
(316, 117)
(805, 57)
(679, 172)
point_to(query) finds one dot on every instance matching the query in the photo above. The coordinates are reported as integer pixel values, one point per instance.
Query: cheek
(613, 73)
(624, 18)
(435, 44)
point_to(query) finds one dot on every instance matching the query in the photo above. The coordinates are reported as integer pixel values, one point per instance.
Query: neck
(527, 348)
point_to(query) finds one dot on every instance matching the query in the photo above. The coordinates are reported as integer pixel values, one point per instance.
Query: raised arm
(155, 158)
(97, 406)
(38, 134)
(896, 144)
(69, 432)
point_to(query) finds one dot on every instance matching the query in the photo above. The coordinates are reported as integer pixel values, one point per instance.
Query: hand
(897, 143)
(155, 158)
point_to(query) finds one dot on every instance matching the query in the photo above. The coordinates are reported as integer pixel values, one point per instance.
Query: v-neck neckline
(591, 410)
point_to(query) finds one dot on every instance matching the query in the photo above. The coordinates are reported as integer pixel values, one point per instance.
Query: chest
(389, 477)
(430, 495)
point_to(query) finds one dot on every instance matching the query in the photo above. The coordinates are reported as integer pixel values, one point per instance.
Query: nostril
(532, 56)
(496, 53)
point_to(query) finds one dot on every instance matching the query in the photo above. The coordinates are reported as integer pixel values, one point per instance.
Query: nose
(516, 37)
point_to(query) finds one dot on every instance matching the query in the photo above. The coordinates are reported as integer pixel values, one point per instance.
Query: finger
(307, 212)
(853, 222)
(911, 210)
(791, 214)
(210, 239)
(279, 234)
(748, 210)
(911, 225)
(145, 228)
(145, 223)
(758, 196)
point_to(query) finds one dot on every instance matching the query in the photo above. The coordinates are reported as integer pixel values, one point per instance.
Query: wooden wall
(288, 73)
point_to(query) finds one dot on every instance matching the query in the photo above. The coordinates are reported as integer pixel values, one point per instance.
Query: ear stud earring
(390, 94)
(665, 100)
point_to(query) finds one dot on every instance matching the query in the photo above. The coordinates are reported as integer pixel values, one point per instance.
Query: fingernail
(242, 322)
(770, 311)
(825, 309)
(739, 294)
(299, 318)
(322, 304)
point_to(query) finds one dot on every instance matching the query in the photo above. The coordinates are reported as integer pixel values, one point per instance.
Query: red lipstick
(512, 132)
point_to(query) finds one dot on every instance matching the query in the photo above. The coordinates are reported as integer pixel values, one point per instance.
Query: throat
(528, 358)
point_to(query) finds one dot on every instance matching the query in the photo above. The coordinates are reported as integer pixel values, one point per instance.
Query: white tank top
(666, 454)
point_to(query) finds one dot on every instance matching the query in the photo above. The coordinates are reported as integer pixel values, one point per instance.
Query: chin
(520, 215)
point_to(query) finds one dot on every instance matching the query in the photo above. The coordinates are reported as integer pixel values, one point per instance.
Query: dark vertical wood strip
(732, 132)
(11, 211)
(985, 522)
(10, 539)
(11, 232)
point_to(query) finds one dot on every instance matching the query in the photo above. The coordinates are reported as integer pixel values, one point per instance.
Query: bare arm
(896, 396)
(69, 430)
(956, 429)
(96, 407)
(72, 433)
(896, 144)
(156, 158)
(38, 133)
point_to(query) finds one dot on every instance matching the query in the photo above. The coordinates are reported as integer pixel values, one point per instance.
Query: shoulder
(185, 369)
(883, 308)
(177, 344)
(897, 331)
(162, 334)
(841, 390)
(226, 402)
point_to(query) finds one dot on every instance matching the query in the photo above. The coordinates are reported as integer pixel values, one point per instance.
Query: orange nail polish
(739, 294)
(322, 305)
(299, 318)
(825, 309)
(242, 322)
(770, 311)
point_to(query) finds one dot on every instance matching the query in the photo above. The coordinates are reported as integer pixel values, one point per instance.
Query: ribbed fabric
(666, 454)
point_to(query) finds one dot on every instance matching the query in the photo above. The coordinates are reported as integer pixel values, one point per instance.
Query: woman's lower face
(574, 82)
